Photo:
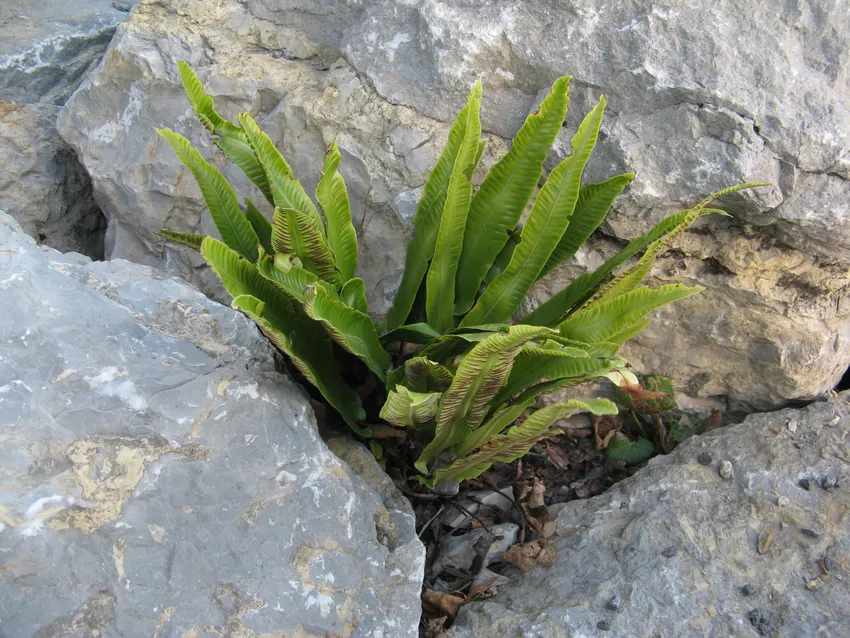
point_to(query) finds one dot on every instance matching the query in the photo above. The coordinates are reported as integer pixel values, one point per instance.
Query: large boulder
(45, 52)
(700, 97)
(678, 550)
(160, 476)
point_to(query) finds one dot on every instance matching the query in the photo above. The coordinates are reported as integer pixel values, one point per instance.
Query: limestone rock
(699, 98)
(684, 552)
(160, 477)
(46, 50)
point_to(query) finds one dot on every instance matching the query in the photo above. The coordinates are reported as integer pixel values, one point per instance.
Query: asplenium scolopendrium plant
(469, 390)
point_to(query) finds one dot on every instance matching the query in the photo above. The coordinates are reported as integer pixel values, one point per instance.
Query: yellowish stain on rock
(157, 532)
(118, 558)
(221, 390)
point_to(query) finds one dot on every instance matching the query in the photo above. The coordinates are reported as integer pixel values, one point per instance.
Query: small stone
(792, 425)
(748, 590)
(765, 540)
(603, 625)
(726, 471)
(704, 458)
(670, 552)
(828, 563)
(805, 483)
(809, 532)
(829, 483)
(783, 501)
(614, 603)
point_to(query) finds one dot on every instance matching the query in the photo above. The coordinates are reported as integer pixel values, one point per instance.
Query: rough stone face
(43, 185)
(160, 477)
(46, 50)
(699, 98)
(676, 550)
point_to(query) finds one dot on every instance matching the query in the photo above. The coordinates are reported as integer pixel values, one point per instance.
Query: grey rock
(47, 47)
(42, 183)
(161, 477)
(46, 50)
(697, 101)
(613, 545)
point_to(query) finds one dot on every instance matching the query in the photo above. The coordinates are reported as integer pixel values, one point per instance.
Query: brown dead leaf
(437, 604)
(639, 392)
(549, 529)
(535, 499)
(434, 628)
(527, 555)
(604, 429)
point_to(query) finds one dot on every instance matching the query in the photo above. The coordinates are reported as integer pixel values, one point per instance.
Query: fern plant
(469, 389)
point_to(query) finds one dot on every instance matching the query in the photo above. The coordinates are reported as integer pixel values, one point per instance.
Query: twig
(468, 513)
(430, 520)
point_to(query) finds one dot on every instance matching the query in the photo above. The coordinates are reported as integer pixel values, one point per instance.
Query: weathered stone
(772, 327)
(618, 545)
(46, 50)
(160, 477)
(43, 185)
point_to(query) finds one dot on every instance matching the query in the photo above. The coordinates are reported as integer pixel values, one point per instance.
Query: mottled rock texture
(676, 550)
(158, 476)
(701, 95)
(46, 50)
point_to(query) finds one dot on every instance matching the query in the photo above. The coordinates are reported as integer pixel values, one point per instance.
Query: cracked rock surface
(46, 50)
(677, 550)
(701, 95)
(160, 477)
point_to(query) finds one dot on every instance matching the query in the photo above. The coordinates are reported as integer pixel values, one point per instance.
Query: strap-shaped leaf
(286, 189)
(296, 233)
(420, 333)
(503, 259)
(203, 103)
(573, 296)
(219, 196)
(542, 230)
(594, 202)
(440, 282)
(478, 378)
(262, 227)
(350, 328)
(333, 198)
(532, 365)
(404, 407)
(231, 140)
(193, 240)
(423, 375)
(504, 193)
(519, 439)
(286, 325)
(291, 279)
(239, 151)
(493, 426)
(353, 293)
(427, 225)
(631, 331)
(606, 320)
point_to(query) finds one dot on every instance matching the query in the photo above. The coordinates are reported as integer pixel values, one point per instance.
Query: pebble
(748, 590)
(670, 552)
(792, 425)
(783, 501)
(806, 484)
(809, 532)
(726, 470)
(614, 603)
(828, 563)
(704, 459)
(829, 483)
(603, 625)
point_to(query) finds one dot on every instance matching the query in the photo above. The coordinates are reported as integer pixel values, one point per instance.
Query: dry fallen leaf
(436, 604)
(527, 555)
